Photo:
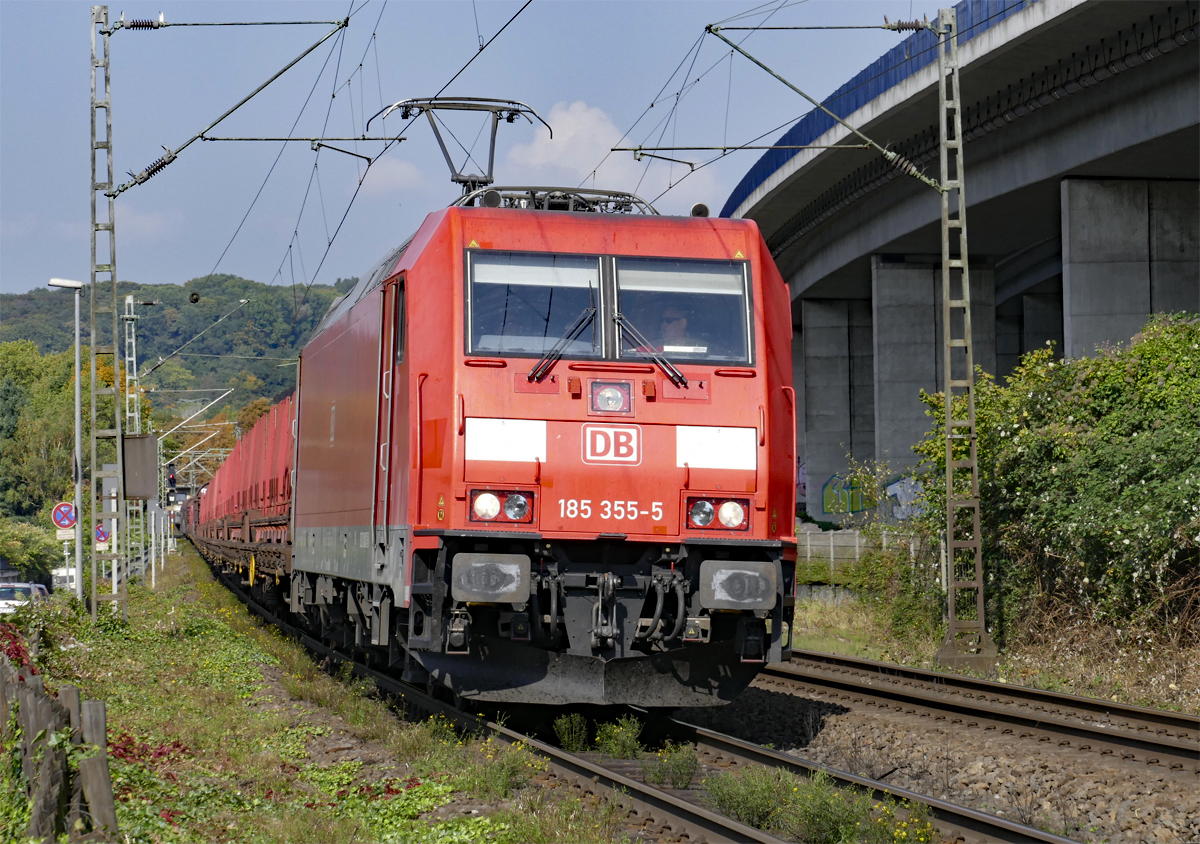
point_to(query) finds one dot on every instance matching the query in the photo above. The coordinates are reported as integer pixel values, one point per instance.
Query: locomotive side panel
(781, 398)
(431, 398)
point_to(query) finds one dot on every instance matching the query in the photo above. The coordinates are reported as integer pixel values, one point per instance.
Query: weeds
(545, 817)
(1024, 803)
(675, 765)
(572, 732)
(752, 796)
(620, 740)
(814, 809)
(860, 756)
(503, 769)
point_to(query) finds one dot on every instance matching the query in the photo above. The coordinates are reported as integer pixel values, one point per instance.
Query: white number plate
(586, 508)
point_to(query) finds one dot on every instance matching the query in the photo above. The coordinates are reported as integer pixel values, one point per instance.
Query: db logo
(610, 444)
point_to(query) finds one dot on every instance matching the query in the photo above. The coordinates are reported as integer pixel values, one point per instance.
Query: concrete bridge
(1082, 156)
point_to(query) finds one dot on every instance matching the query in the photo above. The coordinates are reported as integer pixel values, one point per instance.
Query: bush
(675, 765)
(572, 732)
(1089, 481)
(620, 740)
(906, 590)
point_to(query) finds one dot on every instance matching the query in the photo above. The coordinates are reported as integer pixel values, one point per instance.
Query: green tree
(250, 414)
(37, 428)
(30, 549)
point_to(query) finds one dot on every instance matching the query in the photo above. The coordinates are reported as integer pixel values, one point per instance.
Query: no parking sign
(63, 517)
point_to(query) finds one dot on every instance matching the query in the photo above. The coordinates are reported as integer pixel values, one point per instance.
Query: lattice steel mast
(967, 641)
(135, 535)
(104, 334)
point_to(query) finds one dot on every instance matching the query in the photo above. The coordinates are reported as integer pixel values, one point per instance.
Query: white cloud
(390, 175)
(583, 137)
(148, 228)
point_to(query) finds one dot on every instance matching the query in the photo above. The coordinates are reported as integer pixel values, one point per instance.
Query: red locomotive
(544, 452)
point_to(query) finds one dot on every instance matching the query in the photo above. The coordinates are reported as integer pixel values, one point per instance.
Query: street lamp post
(77, 286)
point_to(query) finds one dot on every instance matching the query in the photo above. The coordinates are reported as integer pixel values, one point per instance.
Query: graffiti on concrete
(842, 495)
(903, 496)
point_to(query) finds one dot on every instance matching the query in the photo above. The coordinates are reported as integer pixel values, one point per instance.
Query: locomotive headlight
(611, 397)
(610, 400)
(516, 506)
(731, 514)
(702, 513)
(487, 506)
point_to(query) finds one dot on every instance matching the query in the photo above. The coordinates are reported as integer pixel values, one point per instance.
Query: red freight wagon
(540, 455)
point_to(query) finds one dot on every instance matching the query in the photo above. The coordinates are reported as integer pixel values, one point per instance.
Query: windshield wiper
(546, 361)
(643, 347)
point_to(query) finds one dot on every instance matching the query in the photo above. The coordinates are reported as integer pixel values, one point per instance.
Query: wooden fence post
(69, 697)
(93, 772)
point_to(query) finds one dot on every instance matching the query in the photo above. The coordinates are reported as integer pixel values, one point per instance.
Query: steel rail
(1148, 735)
(695, 822)
(957, 822)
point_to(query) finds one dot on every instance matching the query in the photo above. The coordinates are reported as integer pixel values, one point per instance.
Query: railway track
(662, 814)
(956, 823)
(1132, 733)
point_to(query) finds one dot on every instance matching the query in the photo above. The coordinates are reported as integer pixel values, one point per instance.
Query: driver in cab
(673, 333)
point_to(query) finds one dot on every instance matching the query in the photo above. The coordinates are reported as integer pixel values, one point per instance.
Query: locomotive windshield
(523, 303)
(688, 310)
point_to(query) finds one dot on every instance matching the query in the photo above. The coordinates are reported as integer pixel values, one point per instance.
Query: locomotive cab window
(524, 303)
(687, 310)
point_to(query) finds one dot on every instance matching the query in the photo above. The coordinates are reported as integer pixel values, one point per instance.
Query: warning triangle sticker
(474, 244)
(441, 501)
(738, 254)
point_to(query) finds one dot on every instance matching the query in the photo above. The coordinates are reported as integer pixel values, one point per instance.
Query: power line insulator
(904, 165)
(905, 26)
(153, 170)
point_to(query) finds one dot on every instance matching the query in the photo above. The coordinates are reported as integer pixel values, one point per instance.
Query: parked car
(13, 595)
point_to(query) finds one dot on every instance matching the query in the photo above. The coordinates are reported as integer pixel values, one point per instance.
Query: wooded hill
(249, 351)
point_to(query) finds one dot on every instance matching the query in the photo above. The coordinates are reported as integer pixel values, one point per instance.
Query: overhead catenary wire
(314, 174)
(171, 155)
(358, 188)
(274, 163)
(239, 357)
(687, 87)
(831, 101)
(769, 9)
(224, 317)
(903, 164)
(834, 99)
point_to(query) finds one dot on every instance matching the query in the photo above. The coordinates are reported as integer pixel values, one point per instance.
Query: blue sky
(591, 69)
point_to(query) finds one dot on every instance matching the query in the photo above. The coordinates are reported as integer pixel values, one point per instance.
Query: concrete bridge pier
(907, 318)
(1130, 248)
(839, 412)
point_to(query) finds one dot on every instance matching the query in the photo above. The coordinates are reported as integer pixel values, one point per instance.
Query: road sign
(64, 515)
(65, 533)
(101, 533)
